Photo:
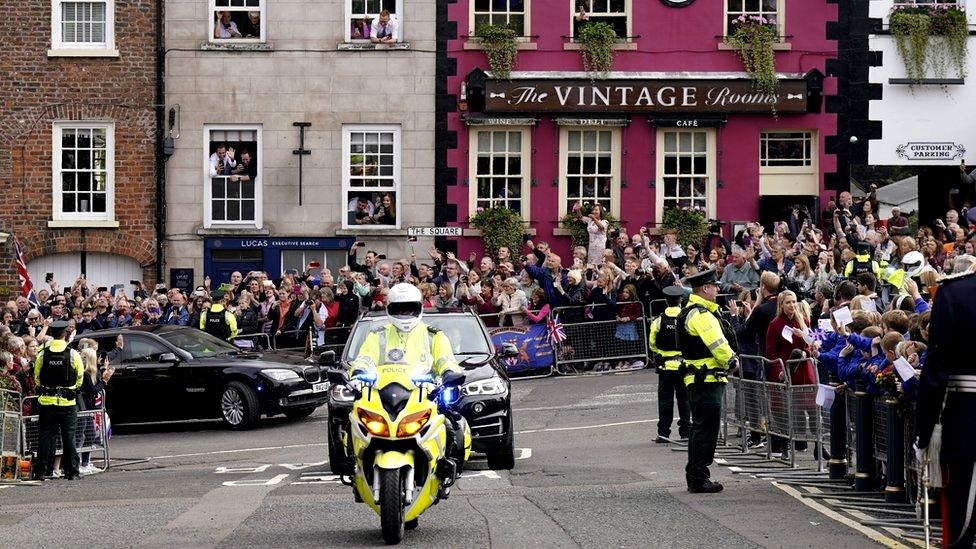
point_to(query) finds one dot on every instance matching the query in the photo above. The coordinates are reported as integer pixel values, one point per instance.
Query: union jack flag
(555, 330)
(27, 287)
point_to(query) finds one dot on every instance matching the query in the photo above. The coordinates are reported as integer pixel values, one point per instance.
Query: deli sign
(642, 96)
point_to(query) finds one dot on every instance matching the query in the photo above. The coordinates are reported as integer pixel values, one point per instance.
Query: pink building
(675, 123)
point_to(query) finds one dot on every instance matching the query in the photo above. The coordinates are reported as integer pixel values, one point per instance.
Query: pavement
(588, 475)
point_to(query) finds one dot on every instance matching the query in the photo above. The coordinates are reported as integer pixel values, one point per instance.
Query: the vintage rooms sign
(942, 150)
(642, 96)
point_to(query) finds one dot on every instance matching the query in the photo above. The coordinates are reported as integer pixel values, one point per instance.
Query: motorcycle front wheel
(391, 506)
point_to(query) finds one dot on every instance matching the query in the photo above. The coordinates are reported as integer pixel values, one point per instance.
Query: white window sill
(371, 232)
(82, 224)
(232, 230)
(475, 44)
(237, 46)
(619, 46)
(477, 232)
(777, 46)
(369, 46)
(82, 52)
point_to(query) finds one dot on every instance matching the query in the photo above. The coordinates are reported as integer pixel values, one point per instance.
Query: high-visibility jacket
(68, 398)
(862, 264)
(704, 346)
(425, 347)
(219, 322)
(664, 338)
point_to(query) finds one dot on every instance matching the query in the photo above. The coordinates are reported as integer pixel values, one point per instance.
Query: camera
(360, 244)
(48, 277)
(464, 279)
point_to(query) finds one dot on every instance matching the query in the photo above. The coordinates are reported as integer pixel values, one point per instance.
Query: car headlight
(490, 386)
(281, 374)
(341, 393)
(374, 423)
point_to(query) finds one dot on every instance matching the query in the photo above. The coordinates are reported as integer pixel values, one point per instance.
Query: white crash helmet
(404, 306)
(913, 262)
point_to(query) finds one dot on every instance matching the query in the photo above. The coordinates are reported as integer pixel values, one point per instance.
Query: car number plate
(320, 387)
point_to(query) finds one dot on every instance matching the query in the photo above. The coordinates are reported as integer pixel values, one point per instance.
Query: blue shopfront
(223, 256)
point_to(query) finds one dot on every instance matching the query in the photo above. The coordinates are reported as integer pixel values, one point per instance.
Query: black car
(166, 373)
(485, 400)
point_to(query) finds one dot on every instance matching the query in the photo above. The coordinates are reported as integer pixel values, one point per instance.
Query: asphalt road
(588, 476)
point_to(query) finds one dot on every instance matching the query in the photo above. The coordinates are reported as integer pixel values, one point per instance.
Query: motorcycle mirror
(327, 358)
(509, 350)
(336, 375)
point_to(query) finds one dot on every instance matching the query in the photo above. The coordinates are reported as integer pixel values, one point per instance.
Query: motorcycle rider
(405, 339)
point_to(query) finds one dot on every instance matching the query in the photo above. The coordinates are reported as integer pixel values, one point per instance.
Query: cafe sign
(642, 96)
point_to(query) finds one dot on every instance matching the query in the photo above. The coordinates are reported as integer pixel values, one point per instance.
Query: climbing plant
(501, 47)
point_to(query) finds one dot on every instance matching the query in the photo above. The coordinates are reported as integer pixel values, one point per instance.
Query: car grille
(493, 427)
(312, 374)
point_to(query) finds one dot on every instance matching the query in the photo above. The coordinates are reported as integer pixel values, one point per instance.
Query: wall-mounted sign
(688, 122)
(434, 231)
(931, 151)
(642, 96)
(182, 279)
(677, 3)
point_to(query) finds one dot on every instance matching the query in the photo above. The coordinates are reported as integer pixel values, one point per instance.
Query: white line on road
(582, 427)
(869, 532)
(260, 449)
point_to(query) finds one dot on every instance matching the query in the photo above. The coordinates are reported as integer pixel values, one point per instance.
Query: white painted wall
(920, 114)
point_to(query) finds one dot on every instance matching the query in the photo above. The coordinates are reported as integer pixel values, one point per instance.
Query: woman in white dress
(596, 227)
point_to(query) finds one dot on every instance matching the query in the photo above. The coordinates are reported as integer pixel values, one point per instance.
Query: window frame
(526, 152)
(57, 129)
(628, 12)
(811, 136)
(212, 8)
(347, 19)
(711, 164)
(526, 18)
(616, 160)
(397, 189)
(780, 18)
(208, 221)
(57, 42)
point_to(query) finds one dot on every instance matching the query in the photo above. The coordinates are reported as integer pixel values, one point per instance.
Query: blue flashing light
(422, 379)
(448, 395)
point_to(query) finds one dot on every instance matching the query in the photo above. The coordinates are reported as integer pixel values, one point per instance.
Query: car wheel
(299, 413)
(502, 458)
(239, 406)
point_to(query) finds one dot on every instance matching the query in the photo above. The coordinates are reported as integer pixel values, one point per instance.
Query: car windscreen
(197, 343)
(464, 332)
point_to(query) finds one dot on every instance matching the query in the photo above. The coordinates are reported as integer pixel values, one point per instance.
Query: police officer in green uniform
(218, 321)
(667, 356)
(707, 355)
(862, 262)
(58, 370)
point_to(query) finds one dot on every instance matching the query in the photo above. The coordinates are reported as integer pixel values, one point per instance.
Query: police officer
(407, 340)
(947, 394)
(707, 355)
(59, 372)
(218, 321)
(862, 262)
(667, 355)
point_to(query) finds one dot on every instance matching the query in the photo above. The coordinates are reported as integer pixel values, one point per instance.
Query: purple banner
(532, 341)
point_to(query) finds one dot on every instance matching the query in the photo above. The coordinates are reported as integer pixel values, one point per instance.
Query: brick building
(77, 140)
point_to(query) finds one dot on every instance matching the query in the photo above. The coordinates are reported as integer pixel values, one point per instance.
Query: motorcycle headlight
(281, 374)
(374, 423)
(490, 386)
(412, 424)
(341, 393)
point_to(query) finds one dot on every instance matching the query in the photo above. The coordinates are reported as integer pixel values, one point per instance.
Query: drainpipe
(160, 103)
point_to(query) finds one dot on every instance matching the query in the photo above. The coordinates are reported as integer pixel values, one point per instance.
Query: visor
(408, 309)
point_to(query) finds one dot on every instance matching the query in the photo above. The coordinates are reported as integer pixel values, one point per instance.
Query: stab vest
(216, 325)
(57, 369)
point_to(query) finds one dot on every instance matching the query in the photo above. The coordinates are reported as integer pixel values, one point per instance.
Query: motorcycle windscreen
(394, 398)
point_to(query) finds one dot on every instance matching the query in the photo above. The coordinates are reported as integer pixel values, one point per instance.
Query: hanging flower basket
(930, 38)
(501, 47)
(753, 37)
(597, 40)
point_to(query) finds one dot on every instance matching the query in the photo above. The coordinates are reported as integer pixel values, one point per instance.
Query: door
(225, 262)
(148, 387)
(102, 269)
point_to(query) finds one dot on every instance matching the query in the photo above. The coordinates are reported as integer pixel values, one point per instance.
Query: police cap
(57, 328)
(701, 279)
(674, 291)
(217, 295)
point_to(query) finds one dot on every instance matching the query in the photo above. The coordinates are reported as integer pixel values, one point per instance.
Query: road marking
(259, 449)
(583, 427)
(257, 481)
(869, 532)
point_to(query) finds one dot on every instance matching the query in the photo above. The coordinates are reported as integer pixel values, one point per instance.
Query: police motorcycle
(398, 438)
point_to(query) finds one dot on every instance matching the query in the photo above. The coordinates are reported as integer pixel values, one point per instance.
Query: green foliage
(501, 47)
(689, 225)
(499, 227)
(930, 37)
(753, 39)
(597, 40)
(577, 226)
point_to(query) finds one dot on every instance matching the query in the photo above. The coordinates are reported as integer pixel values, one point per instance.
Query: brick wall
(37, 90)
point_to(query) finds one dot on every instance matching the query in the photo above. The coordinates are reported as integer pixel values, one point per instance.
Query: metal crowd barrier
(10, 418)
(258, 342)
(594, 347)
(91, 434)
